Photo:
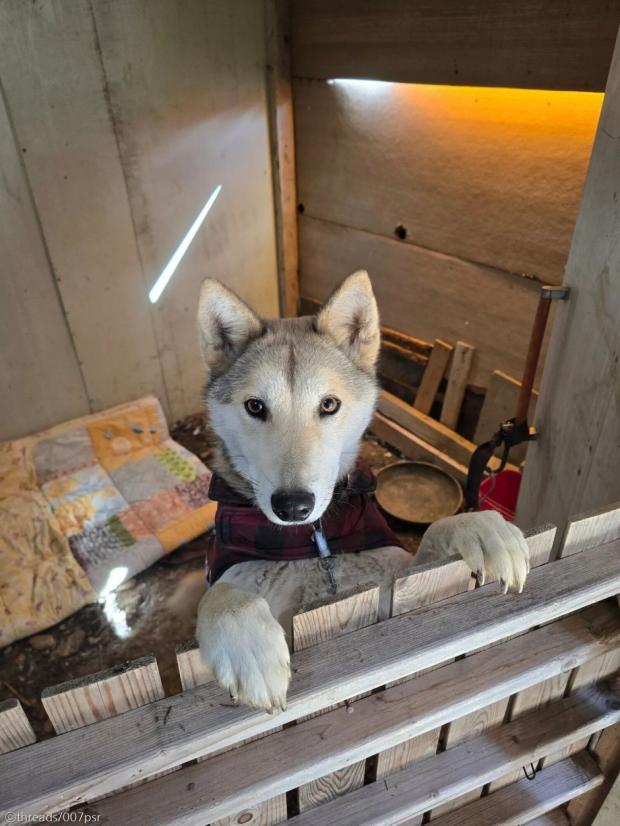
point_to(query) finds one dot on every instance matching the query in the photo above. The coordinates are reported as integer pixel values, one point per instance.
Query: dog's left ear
(351, 319)
(226, 325)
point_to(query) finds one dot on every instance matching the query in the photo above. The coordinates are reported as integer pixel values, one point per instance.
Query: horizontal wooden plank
(535, 44)
(527, 799)
(341, 737)
(467, 766)
(137, 744)
(426, 293)
(432, 162)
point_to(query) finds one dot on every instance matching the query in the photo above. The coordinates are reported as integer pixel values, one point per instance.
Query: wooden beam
(15, 728)
(343, 736)
(282, 144)
(527, 799)
(434, 373)
(445, 776)
(573, 466)
(458, 376)
(535, 45)
(203, 720)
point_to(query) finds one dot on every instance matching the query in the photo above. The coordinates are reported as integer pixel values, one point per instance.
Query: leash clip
(325, 557)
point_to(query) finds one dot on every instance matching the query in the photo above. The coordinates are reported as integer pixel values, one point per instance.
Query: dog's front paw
(488, 544)
(244, 647)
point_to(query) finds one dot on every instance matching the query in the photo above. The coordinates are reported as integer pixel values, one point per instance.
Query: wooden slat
(425, 293)
(528, 800)
(576, 469)
(591, 530)
(458, 377)
(86, 700)
(540, 544)
(607, 752)
(343, 736)
(551, 45)
(282, 143)
(431, 583)
(202, 720)
(311, 628)
(413, 447)
(452, 773)
(609, 813)
(15, 728)
(467, 728)
(434, 373)
(500, 404)
(426, 585)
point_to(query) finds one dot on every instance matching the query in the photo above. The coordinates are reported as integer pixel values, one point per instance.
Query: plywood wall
(483, 183)
(117, 122)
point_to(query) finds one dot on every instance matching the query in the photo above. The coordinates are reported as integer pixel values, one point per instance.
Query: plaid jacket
(352, 523)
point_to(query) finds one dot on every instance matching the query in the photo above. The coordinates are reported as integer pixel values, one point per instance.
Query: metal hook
(533, 774)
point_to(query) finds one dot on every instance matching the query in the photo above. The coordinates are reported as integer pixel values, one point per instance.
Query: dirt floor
(150, 614)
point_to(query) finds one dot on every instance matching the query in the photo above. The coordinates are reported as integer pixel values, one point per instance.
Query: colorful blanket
(88, 504)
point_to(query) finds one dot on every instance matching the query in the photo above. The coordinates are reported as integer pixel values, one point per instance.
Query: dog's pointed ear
(351, 319)
(226, 325)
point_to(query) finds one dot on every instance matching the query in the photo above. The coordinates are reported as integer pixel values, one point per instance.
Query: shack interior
(464, 154)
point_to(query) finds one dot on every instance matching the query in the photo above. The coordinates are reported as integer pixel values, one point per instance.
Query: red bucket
(500, 493)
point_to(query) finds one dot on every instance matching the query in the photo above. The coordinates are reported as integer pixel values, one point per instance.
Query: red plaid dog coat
(352, 523)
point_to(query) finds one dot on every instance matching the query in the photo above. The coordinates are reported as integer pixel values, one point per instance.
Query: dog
(288, 402)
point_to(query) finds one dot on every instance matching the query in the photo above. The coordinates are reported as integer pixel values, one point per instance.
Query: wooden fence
(464, 707)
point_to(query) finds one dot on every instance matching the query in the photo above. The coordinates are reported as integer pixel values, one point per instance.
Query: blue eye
(255, 408)
(329, 405)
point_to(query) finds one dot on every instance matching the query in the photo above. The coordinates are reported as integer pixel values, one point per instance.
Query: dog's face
(290, 399)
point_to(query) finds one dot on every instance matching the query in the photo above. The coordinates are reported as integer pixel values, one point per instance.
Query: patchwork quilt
(88, 504)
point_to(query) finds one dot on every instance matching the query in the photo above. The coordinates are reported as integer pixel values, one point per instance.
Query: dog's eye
(255, 408)
(329, 405)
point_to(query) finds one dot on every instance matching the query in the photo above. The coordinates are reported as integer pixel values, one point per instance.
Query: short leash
(514, 431)
(326, 558)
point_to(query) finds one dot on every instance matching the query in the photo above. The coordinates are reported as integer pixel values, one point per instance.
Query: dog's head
(290, 399)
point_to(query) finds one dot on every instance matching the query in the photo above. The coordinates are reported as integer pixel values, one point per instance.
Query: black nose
(292, 505)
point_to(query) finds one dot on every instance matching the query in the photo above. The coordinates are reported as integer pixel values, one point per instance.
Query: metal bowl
(418, 492)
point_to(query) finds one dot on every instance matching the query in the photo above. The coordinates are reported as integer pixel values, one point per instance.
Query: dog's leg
(490, 546)
(244, 646)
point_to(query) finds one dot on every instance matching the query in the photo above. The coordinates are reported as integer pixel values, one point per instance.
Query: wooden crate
(437, 711)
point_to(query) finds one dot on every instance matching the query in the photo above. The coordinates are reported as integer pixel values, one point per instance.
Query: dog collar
(242, 533)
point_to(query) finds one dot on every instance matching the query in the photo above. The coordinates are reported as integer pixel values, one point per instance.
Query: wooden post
(282, 143)
(573, 467)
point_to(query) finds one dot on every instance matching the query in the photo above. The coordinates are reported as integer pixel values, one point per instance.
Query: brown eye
(329, 405)
(255, 408)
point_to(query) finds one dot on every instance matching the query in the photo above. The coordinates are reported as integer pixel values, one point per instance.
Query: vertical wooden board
(500, 404)
(540, 544)
(433, 374)
(15, 728)
(57, 97)
(583, 810)
(457, 382)
(186, 83)
(87, 700)
(311, 628)
(591, 530)
(96, 697)
(465, 728)
(573, 467)
(431, 583)
(192, 670)
(609, 813)
(530, 699)
(282, 142)
(39, 371)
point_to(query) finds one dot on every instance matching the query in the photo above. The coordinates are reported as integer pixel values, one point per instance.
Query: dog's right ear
(226, 325)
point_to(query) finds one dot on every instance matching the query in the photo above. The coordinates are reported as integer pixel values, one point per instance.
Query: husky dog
(288, 402)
